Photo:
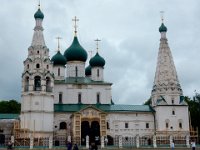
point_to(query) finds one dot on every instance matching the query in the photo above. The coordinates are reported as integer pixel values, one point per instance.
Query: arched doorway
(92, 130)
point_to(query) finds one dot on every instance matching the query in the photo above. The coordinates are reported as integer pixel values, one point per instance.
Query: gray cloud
(129, 34)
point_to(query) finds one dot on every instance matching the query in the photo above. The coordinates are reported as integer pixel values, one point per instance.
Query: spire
(38, 38)
(166, 80)
(75, 25)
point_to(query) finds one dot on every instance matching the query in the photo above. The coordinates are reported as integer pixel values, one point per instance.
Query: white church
(62, 97)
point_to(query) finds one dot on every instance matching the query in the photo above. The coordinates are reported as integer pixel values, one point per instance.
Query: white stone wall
(136, 124)
(88, 93)
(94, 75)
(62, 72)
(164, 113)
(71, 69)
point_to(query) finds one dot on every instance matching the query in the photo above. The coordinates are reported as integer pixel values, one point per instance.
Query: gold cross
(97, 43)
(162, 15)
(58, 38)
(75, 25)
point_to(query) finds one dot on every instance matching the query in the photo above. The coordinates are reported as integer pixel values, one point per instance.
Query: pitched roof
(103, 107)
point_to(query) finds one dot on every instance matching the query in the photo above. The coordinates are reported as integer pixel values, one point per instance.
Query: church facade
(61, 97)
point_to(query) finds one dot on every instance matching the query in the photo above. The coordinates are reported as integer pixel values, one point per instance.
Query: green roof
(58, 59)
(39, 14)
(163, 28)
(9, 116)
(81, 80)
(75, 52)
(103, 107)
(88, 70)
(97, 61)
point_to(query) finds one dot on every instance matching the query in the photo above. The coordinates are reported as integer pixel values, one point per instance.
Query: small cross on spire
(58, 38)
(162, 16)
(75, 24)
(97, 43)
(38, 4)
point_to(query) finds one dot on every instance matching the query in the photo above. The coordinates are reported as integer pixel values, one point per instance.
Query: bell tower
(37, 85)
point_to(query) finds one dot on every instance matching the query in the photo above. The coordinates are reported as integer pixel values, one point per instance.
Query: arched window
(63, 125)
(37, 83)
(26, 85)
(167, 123)
(173, 112)
(58, 71)
(97, 72)
(76, 70)
(48, 84)
(79, 98)
(60, 98)
(37, 65)
(27, 66)
(98, 97)
(47, 66)
(38, 52)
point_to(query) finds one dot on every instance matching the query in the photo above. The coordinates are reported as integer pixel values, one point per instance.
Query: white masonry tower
(167, 96)
(37, 85)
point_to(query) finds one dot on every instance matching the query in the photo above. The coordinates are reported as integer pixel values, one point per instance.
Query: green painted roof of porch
(81, 80)
(103, 107)
(9, 116)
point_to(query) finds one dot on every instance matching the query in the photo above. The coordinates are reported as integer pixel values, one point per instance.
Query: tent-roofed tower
(37, 85)
(167, 96)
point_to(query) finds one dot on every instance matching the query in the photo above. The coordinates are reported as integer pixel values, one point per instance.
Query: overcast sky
(129, 35)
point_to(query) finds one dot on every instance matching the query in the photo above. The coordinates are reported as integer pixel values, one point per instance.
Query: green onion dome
(163, 28)
(75, 52)
(58, 59)
(97, 61)
(88, 70)
(39, 14)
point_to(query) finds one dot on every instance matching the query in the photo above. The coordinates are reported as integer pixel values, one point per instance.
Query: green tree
(11, 106)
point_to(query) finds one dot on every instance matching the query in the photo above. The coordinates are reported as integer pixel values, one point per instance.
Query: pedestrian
(75, 147)
(69, 146)
(172, 145)
(193, 145)
(9, 145)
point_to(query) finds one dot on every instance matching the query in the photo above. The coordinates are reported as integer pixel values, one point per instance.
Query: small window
(180, 125)
(37, 65)
(173, 112)
(28, 66)
(167, 125)
(126, 138)
(58, 71)
(98, 97)
(76, 69)
(60, 98)
(126, 125)
(47, 66)
(171, 127)
(108, 126)
(38, 52)
(79, 97)
(172, 101)
(147, 125)
(97, 72)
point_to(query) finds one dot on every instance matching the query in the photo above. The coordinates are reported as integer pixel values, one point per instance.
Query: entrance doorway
(92, 130)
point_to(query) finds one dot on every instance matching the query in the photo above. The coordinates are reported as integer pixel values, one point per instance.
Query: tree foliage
(11, 106)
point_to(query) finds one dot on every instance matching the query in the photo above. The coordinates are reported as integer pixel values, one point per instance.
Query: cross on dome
(75, 24)
(162, 16)
(58, 38)
(97, 43)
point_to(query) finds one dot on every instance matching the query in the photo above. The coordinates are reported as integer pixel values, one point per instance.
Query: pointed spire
(38, 38)
(166, 81)
(75, 25)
